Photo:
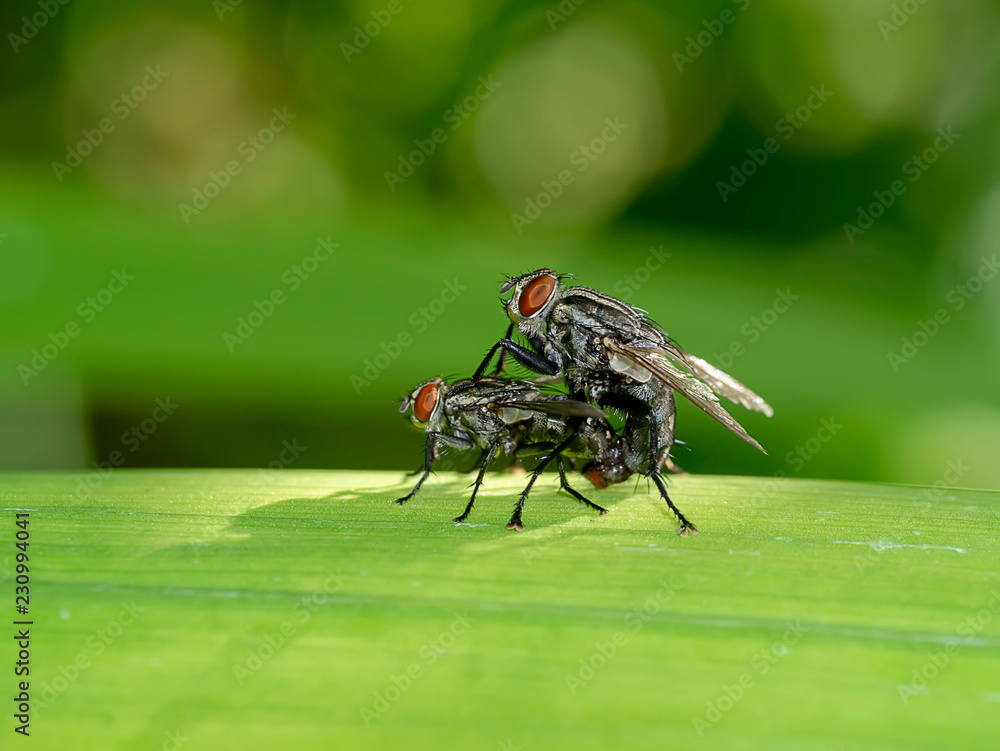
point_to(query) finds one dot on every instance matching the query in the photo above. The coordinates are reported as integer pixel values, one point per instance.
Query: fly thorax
(483, 425)
(579, 381)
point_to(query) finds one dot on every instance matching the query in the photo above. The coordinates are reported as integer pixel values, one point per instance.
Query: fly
(500, 415)
(615, 356)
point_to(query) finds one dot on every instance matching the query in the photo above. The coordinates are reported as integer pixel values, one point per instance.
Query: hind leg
(685, 526)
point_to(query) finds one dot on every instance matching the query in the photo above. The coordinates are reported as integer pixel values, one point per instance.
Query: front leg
(430, 454)
(423, 466)
(502, 360)
(526, 357)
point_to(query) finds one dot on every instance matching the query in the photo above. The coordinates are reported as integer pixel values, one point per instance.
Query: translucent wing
(721, 383)
(559, 408)
(656, 360)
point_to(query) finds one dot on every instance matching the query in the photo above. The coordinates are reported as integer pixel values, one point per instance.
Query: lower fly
(509, 417)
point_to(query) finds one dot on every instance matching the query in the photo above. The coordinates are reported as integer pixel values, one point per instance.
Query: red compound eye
(535, 295)
(423, 405)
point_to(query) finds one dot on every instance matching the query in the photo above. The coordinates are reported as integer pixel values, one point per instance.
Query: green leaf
(297, 609)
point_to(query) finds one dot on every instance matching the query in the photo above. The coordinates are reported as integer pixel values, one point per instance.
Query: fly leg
(649, 430)
(655, 440)
(502, 364)
(423, 465)
(657, 420)
(428, 461)
(515, 519)
(490, 453)
(661, 424)
(685, 526)
(430, 454)
(528, 358)
(528, 449)
(564, 485)
(502, 360)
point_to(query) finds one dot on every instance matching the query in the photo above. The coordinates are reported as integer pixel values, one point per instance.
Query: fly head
(427, 404)
(534, 296)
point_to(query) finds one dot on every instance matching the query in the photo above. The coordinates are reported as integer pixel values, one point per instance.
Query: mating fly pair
(612, 356)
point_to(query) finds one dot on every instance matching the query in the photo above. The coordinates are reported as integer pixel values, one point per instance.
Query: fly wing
(721, 383)
(549, 380)
(560, 408)
(658, 363)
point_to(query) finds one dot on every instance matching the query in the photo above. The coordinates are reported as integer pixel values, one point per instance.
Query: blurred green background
(202, 148)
